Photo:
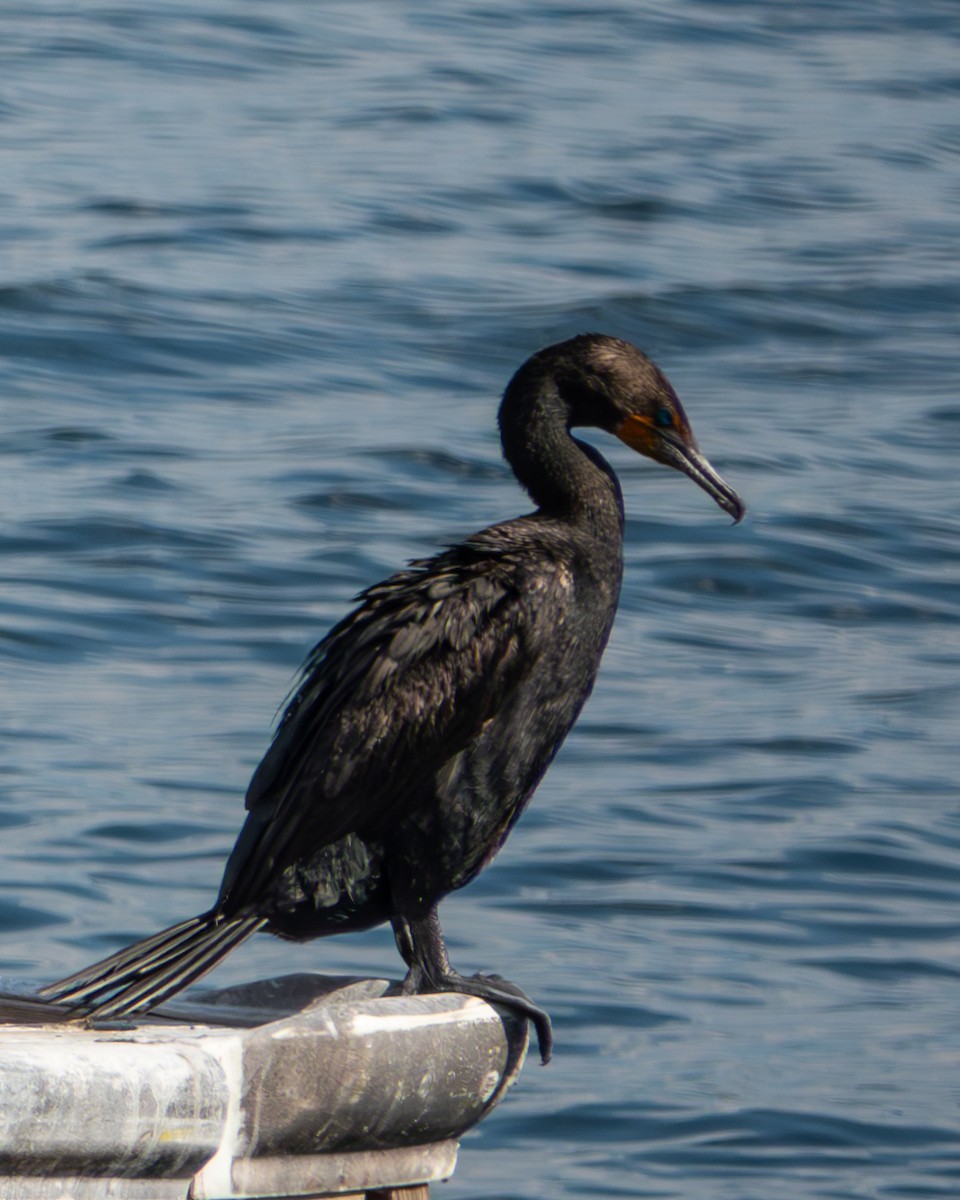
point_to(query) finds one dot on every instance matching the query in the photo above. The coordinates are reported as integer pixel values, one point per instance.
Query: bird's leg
(420, 942)
(423, 949)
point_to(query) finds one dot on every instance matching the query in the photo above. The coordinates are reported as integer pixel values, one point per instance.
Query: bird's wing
(390, 694)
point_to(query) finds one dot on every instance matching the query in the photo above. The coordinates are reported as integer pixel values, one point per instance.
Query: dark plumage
(424, 721)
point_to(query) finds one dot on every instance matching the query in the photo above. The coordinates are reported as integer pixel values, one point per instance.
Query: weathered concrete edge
(79, 1102)
(342, 1175)
(354, 1090)
(23, 1187)
(334, 1173)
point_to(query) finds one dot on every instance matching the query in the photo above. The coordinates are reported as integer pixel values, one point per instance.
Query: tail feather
(123, 967)
(180, 971)
(154, 969)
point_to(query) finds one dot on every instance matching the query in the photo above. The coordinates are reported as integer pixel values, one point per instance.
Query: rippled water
(264, 270)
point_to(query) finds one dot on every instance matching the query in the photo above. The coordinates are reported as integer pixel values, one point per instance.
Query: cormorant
(425, 719)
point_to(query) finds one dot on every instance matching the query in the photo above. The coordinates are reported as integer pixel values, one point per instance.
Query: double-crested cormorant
(425, 719)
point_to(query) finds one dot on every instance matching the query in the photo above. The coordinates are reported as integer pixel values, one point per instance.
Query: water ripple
(260, 292)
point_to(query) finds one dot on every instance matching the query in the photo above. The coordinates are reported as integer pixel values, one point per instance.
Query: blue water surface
(264, 270)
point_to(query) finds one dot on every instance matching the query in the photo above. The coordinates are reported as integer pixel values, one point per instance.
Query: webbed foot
(421, 943)
(497, 990)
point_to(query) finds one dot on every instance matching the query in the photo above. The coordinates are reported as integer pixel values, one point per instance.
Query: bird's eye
(664, 418)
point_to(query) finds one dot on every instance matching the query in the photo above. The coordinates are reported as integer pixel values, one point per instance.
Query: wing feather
(396, 689)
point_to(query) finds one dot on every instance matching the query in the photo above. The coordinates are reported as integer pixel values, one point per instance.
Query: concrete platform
(298, 1086)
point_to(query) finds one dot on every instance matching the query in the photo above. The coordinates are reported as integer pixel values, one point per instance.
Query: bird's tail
(154, 969)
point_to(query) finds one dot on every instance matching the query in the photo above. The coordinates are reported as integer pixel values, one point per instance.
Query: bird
(421, 724)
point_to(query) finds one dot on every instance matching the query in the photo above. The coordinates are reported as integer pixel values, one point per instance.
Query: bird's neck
(564, 477)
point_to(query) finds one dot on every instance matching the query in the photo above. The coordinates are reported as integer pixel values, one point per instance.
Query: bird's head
(609, 383)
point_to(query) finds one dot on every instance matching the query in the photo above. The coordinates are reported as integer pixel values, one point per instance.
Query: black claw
(502, 991)
(544, 1028)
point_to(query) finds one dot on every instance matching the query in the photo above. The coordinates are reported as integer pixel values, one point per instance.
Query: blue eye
(664, 418)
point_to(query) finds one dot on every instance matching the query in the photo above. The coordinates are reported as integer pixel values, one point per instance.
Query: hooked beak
(677, 450)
